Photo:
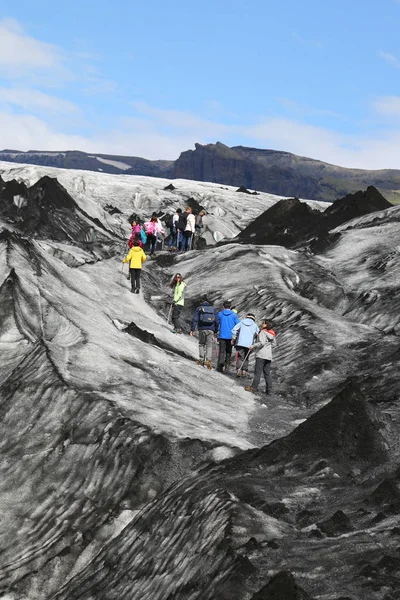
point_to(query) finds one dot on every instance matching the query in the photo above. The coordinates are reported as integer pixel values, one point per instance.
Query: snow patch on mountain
(113, 163)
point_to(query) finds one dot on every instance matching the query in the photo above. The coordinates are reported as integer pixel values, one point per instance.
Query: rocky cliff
(270, 171)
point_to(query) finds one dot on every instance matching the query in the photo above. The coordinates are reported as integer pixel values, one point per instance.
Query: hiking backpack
(206, 316)
(169, 221)
(182, 221)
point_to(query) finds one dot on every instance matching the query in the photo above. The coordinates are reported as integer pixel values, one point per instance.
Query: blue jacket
(197, 319)
(245, 331)
(227, 321)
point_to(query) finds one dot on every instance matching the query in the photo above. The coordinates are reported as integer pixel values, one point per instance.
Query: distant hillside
(272, 171)
(107, 163)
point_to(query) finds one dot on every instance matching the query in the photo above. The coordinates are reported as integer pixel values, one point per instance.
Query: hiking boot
(244, 374)
(200, 362)
(132, 291)
(137, 290)
(219, 368)
(248, 388)
(209, 365)
(238, 373)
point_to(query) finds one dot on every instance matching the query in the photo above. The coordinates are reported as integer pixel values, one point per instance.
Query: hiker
(173, 232)
(243, 338)
(205, 318)
(178, 286)
(227, 321)
(136, 258)
(137, 233)
(189, 229)
(263, 349)
(198, 229)
(153, 228)
(181, 226)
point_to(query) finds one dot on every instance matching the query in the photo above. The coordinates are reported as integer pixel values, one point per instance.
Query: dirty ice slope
(320, 344)
(91, 416)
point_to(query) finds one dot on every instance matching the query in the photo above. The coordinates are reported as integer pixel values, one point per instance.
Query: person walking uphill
(227, 321)
(205, 318)
(243, 337)
(153, 228)
(136, 258)
(178, 286)
(263, 349)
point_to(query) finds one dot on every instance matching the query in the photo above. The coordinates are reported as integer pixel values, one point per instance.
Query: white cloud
(26, 132)
(374, 151)
(31, 99)
(388, 106)
(182, 120)
(20, 53)
(302, 110)
(133, 137)
(390, 59)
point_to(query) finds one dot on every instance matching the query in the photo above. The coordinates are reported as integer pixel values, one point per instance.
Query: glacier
(128, 471)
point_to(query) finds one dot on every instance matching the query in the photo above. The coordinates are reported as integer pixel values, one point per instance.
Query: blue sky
(320, 79)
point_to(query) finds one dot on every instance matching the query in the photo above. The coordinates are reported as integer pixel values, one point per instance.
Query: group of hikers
(185, 228)
(225, 327)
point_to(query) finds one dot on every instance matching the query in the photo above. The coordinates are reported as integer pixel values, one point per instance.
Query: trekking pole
(216, 346)
(169, 314)
(245, 358)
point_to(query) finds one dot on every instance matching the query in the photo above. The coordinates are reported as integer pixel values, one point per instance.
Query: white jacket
(263, 348)
(190, 223)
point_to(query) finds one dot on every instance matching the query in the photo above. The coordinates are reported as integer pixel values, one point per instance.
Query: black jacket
(182, 221)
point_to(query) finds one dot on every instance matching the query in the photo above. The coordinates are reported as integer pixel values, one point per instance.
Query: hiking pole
(169, 314)
(215, 346)
(245, 358)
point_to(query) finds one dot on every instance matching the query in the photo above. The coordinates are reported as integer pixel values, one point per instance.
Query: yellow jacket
(136, 256)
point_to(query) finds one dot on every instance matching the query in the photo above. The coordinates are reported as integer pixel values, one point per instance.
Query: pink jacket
(153, 227)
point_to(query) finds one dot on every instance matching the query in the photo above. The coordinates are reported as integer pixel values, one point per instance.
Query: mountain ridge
(273, 171)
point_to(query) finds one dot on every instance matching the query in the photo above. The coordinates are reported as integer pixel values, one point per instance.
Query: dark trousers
(180, 239)
(243, 357)
(224, 352)
(263, 366)
(172, 237)
(152, 242)
(176, 313)
(187, 240)
(135, 278)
